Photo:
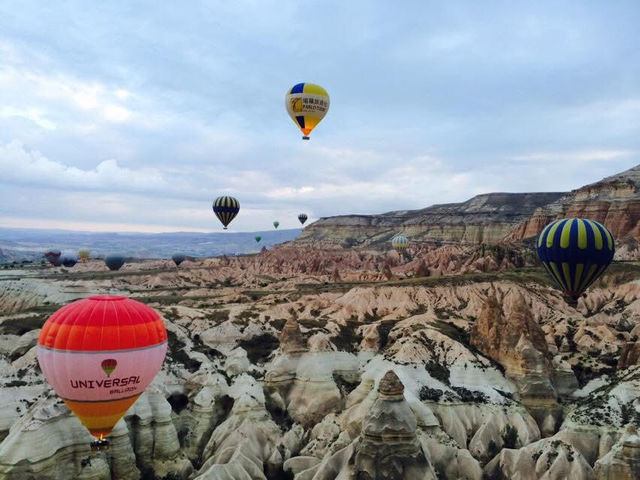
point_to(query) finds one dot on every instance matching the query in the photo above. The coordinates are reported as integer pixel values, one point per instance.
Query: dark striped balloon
(114, 262)
(226, 208)
(303, 218)
(68, 261)
(178, 258)
(575, 252)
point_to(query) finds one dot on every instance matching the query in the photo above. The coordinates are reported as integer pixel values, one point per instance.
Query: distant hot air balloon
(307, 104)
(575, 252)
(83, 255)
(99, 354)
(68, 261)
(53, 257)
(226, 208)
(114, 262)
(400, 242)
(178, 258)
(276, 224)
(303, 218)
(258, 238)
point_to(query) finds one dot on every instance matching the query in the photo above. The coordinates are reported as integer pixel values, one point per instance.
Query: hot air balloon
(99, 354)
(178, 258)
(276, 224)
(53, 257)
(575, 252)
(83, 255)
(307, 104)
(114, 262)
(226, 208)
(68, 261)
(258, 238)
(303, 218)
(400, 242)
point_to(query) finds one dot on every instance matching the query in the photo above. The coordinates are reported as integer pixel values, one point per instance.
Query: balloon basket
(572, 302)
(100, 445)
(304, 137)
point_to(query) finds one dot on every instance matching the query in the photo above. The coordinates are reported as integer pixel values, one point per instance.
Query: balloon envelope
(99, 354)
(68, 261)
(303, 218)
(399, 242)
(258, 238)
(83, 255)
(307, 104)
(114, 262)
(53, 257)
(178, 258)
(276, 224)
(226, 208)
(575, 252)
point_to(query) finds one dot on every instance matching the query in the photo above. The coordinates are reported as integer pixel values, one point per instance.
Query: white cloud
(27, 167)
(116, 113)
(32, 114)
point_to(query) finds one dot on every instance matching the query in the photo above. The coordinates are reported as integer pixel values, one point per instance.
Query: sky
(134, 116)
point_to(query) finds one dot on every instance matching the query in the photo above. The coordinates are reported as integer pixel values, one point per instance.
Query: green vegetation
(259, 348)
(347, 340)
(509, 436)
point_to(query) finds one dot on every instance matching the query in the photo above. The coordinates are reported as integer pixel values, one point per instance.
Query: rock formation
(388, 447)
(483, 219)
(623, 460)
(517, 342)
(613, 201)
(546, 459)
(271, 369)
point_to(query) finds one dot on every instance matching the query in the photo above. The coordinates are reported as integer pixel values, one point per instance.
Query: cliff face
(495, 217)
(613, 201)
(483, 219)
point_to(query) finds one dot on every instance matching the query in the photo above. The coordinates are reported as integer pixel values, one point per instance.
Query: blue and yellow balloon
(307, 104)
(575, 252)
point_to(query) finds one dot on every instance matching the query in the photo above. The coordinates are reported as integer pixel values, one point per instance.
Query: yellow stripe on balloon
(582, 235)
(565, 236)
(596, 234)
(541, 237)
(609, 238)
(552, 233)
(585, 280)
(597, 275)
(576, 280)
(566, 270)
(554, 267)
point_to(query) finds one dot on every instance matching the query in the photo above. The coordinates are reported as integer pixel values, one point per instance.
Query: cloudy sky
(134, 116)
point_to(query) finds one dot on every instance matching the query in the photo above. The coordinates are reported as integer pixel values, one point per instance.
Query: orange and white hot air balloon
(99, 354)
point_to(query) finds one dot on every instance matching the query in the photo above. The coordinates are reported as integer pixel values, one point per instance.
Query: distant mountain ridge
(29, 244)
(493, 217)
(485, 218)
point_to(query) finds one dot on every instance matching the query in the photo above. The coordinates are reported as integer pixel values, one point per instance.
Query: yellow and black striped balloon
(575, 252)
(226, 208)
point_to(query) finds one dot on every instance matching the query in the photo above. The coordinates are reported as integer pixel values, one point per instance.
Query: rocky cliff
(482, 219)
(495, 217)
(613, 201)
